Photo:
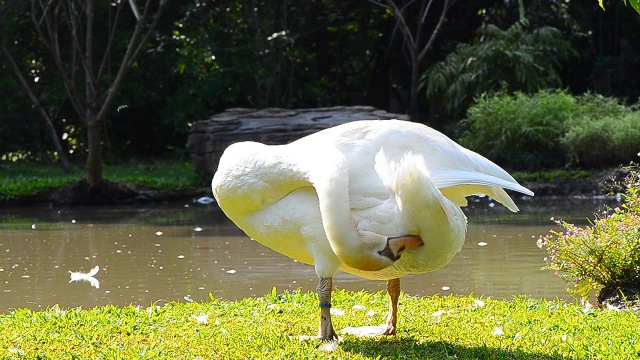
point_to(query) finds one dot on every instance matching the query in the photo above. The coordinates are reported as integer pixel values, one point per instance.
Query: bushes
(552, 129)
(519, 130)
(610, 140)
(603, 255)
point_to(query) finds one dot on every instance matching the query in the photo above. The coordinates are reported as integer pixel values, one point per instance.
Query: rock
(626, 297)
(208, 138)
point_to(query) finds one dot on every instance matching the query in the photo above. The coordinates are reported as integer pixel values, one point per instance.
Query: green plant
(519, 57)
(634, 3)
(604, 254)
(602, 132)
(519, 130)
(550, 175)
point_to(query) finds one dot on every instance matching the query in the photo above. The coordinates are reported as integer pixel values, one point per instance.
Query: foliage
(260, 54)
(634, 3)
(604, 254)
(550, 175)
(161, 175)
(603, 133)
(518, 58)
(552, 128)
(519, 130)
(269, 328)
(19, 179)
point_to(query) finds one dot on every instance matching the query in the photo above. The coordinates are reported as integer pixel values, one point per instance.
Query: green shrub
(521, 131)
(551, 129)
(606, 136)
(604, 254)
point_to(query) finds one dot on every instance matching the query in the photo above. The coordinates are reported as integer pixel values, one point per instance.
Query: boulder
(208, 138)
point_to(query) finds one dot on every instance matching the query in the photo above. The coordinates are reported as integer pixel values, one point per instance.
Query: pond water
(189, 252)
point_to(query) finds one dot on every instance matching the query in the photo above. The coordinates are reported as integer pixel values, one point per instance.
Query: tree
(413, 34)
(67, 29)
(6, 8)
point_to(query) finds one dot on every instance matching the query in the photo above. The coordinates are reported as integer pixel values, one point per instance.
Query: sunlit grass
(20, 179)
(269, 328)
(160, 175)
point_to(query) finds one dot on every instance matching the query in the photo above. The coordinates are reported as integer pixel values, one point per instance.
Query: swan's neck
(330, 178)
(252, 177)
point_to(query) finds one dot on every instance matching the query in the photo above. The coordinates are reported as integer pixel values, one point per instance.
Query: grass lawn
(19, 179)
(269, 328)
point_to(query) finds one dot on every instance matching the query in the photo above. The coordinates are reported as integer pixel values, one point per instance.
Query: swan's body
(378, 199)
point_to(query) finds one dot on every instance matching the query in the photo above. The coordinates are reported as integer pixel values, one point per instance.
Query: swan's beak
(399, 244)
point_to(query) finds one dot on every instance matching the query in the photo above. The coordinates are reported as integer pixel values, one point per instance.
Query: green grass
(550, 175)
(19, 179)
(269, 327)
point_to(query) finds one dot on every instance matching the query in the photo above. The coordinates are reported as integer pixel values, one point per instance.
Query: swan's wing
(457, 185)
(455, 170)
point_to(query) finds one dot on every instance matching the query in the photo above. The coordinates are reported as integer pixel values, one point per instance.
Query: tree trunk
(94, 158)
(414, 109)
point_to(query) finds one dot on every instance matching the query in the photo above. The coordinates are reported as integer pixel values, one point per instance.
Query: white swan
(378, 199)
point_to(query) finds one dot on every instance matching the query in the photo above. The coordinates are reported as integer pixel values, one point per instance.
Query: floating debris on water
(205, 200)
(88, 277)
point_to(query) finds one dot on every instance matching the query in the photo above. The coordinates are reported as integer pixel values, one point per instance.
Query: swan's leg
(393, 289)
(326, 331)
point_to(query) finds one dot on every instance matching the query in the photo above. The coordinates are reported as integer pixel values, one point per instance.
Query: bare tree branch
(53, 45)
(84, 58)
(135, 9)
(413, 47)
(90, 83)
(107, 52)
(424, 14)
(136, 43)
(405, 30)
(436, 30)
(34, 99)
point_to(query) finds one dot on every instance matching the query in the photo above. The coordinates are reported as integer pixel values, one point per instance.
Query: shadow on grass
(395, 348)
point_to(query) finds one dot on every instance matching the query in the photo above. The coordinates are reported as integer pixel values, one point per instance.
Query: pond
(185, 252)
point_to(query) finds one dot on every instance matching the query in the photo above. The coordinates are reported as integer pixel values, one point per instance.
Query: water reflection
(172, 252)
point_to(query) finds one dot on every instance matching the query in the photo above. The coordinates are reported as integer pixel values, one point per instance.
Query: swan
(380, 199)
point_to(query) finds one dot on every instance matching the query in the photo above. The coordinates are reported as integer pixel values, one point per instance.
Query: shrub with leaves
(551, 127)
(520, 130)
(603, 132)
(605, 254)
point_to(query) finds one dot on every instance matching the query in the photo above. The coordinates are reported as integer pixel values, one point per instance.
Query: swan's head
(375, 252)
(234, 177)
